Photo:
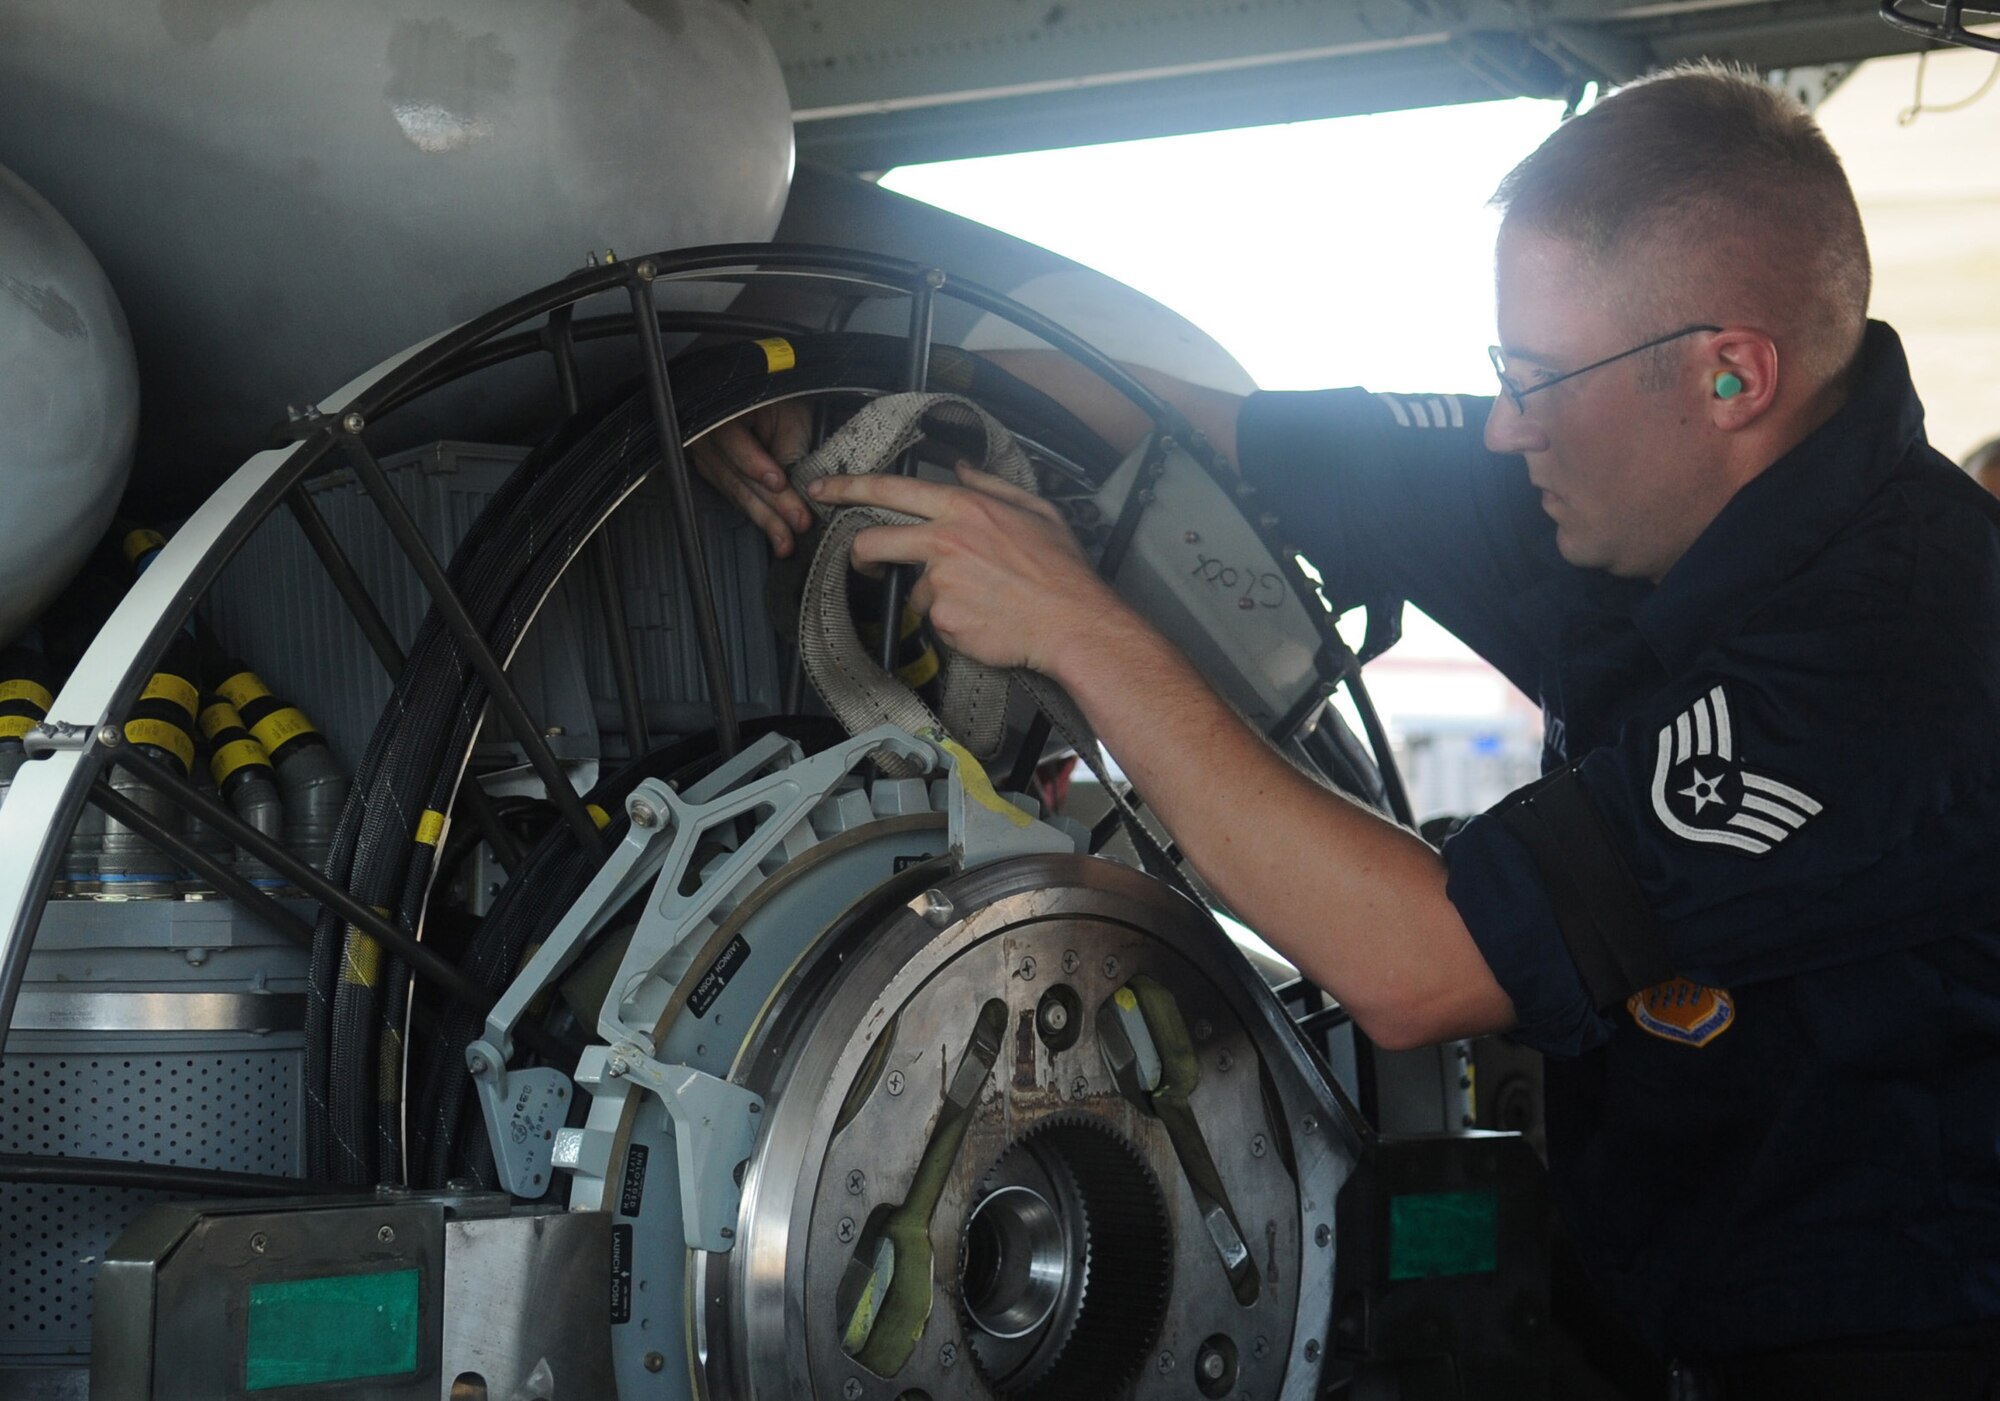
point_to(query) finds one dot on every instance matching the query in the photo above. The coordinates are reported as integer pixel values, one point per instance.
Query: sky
(1357, 250)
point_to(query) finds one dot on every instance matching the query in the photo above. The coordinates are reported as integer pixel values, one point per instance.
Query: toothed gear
(1114, 1295)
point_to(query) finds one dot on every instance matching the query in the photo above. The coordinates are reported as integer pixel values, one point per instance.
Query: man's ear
(1739, 377)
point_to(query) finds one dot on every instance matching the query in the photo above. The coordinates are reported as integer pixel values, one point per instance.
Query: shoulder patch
(1684, 1011)
(1702, 794)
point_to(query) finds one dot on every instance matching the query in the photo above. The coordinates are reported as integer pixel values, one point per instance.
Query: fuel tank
(244, 169)
(69, 402)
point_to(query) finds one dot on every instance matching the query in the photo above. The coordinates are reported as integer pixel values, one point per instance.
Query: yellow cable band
(360, 959)
(598, 815)
(280, 727)
(216, 718)
(430, 827)
(139, 542)
(237, 754)
(162, 735)
(28, 691)
(778, 354)
(920, 671)
(177, 690)
(242, 688)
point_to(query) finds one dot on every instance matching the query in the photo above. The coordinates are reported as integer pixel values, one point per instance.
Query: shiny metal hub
(953, 1197)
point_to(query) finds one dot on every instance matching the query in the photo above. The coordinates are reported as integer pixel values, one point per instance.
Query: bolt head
(352, 422)
(643, 814)
(1213, 1364)
(617, 1066)
(1055, 1016)
(477, 1065)
(646, 271)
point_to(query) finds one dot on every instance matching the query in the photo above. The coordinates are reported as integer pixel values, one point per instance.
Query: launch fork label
(621, 1274)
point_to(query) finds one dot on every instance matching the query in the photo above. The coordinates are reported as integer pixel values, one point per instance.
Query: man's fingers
(911, 495)
(891, 544)
(986, 484)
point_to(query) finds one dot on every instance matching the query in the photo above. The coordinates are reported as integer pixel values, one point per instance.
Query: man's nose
(1510, 430)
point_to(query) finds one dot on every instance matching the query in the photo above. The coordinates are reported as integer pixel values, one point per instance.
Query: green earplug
(1727, 386)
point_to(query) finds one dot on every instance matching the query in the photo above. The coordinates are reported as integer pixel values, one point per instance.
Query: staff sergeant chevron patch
(1702, 794)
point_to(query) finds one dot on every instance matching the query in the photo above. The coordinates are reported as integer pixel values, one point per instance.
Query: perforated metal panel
(234, 1111)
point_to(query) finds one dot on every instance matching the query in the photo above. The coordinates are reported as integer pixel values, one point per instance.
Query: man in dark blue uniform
(1751, 912)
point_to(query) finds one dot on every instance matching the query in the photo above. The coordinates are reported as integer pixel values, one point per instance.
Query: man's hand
(745, 460)
(1004, 581)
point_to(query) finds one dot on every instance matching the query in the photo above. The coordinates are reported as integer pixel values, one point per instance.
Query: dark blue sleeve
(1396, 494)
(1821, 786)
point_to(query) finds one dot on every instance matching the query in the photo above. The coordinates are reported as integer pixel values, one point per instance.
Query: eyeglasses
(1517, 394)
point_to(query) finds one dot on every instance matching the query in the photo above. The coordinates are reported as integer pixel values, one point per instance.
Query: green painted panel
(304, 1331)
(1444, 1233)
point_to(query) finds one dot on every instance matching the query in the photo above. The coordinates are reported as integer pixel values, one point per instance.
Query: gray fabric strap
(973, 696)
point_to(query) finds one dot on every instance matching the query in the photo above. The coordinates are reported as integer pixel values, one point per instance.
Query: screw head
(1203, 1029)
(1312, 1349)
(1166, 1362)
(1258, 1146)
(857, 1182)
(352, 422)
(259, 1242)
(655, 1361)
(477, 1065)
(1223, 1061)
(947, 1355)
(1261, 1347)
(646, 271)
(385, 1234)
(1070, 961)
(1323, 1234)
(1027, 970)
(1310, 1125)
(110, 736)
(934, 279)
(851, 1389)
(1192, 537)
(1078, 1087)
(894, 1084)
(845, 1228)
(1110, 966)
(643, 814)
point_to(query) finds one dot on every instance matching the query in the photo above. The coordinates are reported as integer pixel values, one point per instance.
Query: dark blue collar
(1788, 512)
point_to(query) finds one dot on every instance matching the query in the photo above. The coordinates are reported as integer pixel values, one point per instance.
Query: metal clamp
(715, 1127)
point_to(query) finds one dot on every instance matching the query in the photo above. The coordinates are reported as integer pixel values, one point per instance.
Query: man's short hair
(1722, 200)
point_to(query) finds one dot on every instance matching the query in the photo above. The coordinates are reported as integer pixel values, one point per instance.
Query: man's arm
(1358, 903)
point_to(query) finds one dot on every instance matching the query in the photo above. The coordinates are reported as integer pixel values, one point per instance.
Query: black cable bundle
(512, 556)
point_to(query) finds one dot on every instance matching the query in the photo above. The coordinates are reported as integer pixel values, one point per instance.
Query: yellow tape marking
(281, 726)
(28, 691)
(979, 787)
(242, 688)
(176, 690)
(217, 717)
(161, 735)
(430, 827)
(14, 726)
(237, 754)
(920, 671)
(778, 355)
(598, 815)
